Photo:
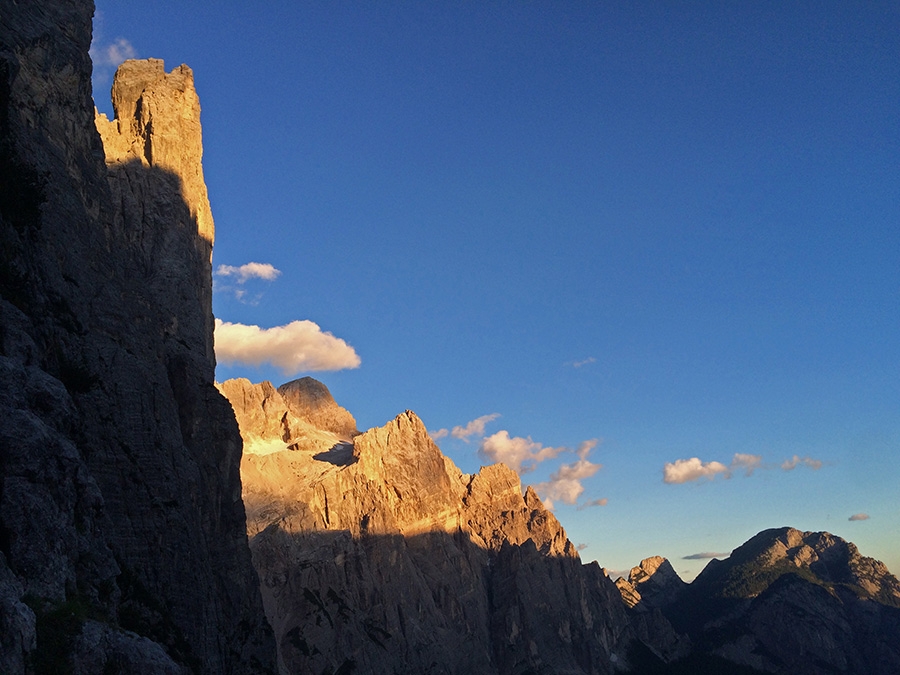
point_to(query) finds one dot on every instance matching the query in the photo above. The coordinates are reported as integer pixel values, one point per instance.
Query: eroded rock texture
(794, 602)
(377, 554)
(122, 531)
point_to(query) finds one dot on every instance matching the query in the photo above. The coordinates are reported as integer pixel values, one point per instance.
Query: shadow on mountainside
(118, 455)
(438, 602)
(339, 455)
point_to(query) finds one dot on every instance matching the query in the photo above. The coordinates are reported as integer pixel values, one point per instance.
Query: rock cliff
(376, 553)
(652, 584)
(794, 602)
(122, 531)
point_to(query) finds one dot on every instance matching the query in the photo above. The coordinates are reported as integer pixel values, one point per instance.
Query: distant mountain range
(491, 581)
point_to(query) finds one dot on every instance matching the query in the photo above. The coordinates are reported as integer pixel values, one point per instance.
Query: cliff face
(794, 602)
(120, 503)
(377, 553)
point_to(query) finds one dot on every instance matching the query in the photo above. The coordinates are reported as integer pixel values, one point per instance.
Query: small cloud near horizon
(580, 547)
(472, 428)
(688, 470)
(107, 56)
(565, 484)
(795, 461)
(293, 348)
(706, 556)
(603, 501)
(240, 275)
(519, 454)
(858, 516)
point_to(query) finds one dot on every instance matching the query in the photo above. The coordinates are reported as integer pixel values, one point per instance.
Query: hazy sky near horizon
(649, 255)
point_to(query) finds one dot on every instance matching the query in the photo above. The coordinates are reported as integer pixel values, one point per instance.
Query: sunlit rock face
(795, 602)
(652, 584)
(122, 533)
(375, 552)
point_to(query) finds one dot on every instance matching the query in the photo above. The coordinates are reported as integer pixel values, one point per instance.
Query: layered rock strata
(377, 554)
(122, 532)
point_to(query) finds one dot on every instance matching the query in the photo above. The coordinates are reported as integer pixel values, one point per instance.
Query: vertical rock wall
(120, 504)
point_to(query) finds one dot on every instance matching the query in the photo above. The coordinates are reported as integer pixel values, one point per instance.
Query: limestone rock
(379, 554)
(798, 602)
(652, 584)
(119, 460)
(310, 400)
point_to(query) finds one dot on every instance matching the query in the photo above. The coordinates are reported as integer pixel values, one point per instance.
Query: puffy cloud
(746, 462)
(112, 54)
(795, 461)
(705, 556)
(251, 270)
(473, 428)
(565, 483)
(437, 435)
(519, 454)
(686, 470)
(859, 516)
(292, 348)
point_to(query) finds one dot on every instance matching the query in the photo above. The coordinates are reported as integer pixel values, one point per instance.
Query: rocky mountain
(123, 543)
(653, 584)
(786, 602)
(377, 554)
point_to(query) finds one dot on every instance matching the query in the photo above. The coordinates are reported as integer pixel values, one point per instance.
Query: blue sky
(672, 230)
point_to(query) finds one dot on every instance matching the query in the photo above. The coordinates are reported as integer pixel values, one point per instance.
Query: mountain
(377, 554)
(123, 543)
(790, 602)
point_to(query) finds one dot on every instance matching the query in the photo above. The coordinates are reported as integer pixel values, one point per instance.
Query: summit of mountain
(378, 552)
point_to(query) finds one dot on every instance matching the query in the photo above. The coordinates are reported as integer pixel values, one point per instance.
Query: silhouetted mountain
(793, 602)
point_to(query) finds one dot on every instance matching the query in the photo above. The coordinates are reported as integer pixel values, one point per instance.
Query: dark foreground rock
(122, 532)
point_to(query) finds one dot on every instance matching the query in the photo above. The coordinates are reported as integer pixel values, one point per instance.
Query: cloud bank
(687, 470)
(293, 348)
(565, 483)
(858, 516)
(519, 454)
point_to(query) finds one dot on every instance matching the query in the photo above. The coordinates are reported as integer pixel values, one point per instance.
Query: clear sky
(674, 230)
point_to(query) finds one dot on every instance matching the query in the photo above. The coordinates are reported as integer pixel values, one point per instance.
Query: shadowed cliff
(120, 503)
(377, 554)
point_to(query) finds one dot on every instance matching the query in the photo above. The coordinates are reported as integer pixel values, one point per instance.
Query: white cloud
(705, 556)
(746, 462)
(440, 433)
(113, 54)
(473, 428)
(519, 454)
(795, 461)
(685, 470)
(584, 362)
(859, 516)
(565, 483)
(293, 348)
(251, 270)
